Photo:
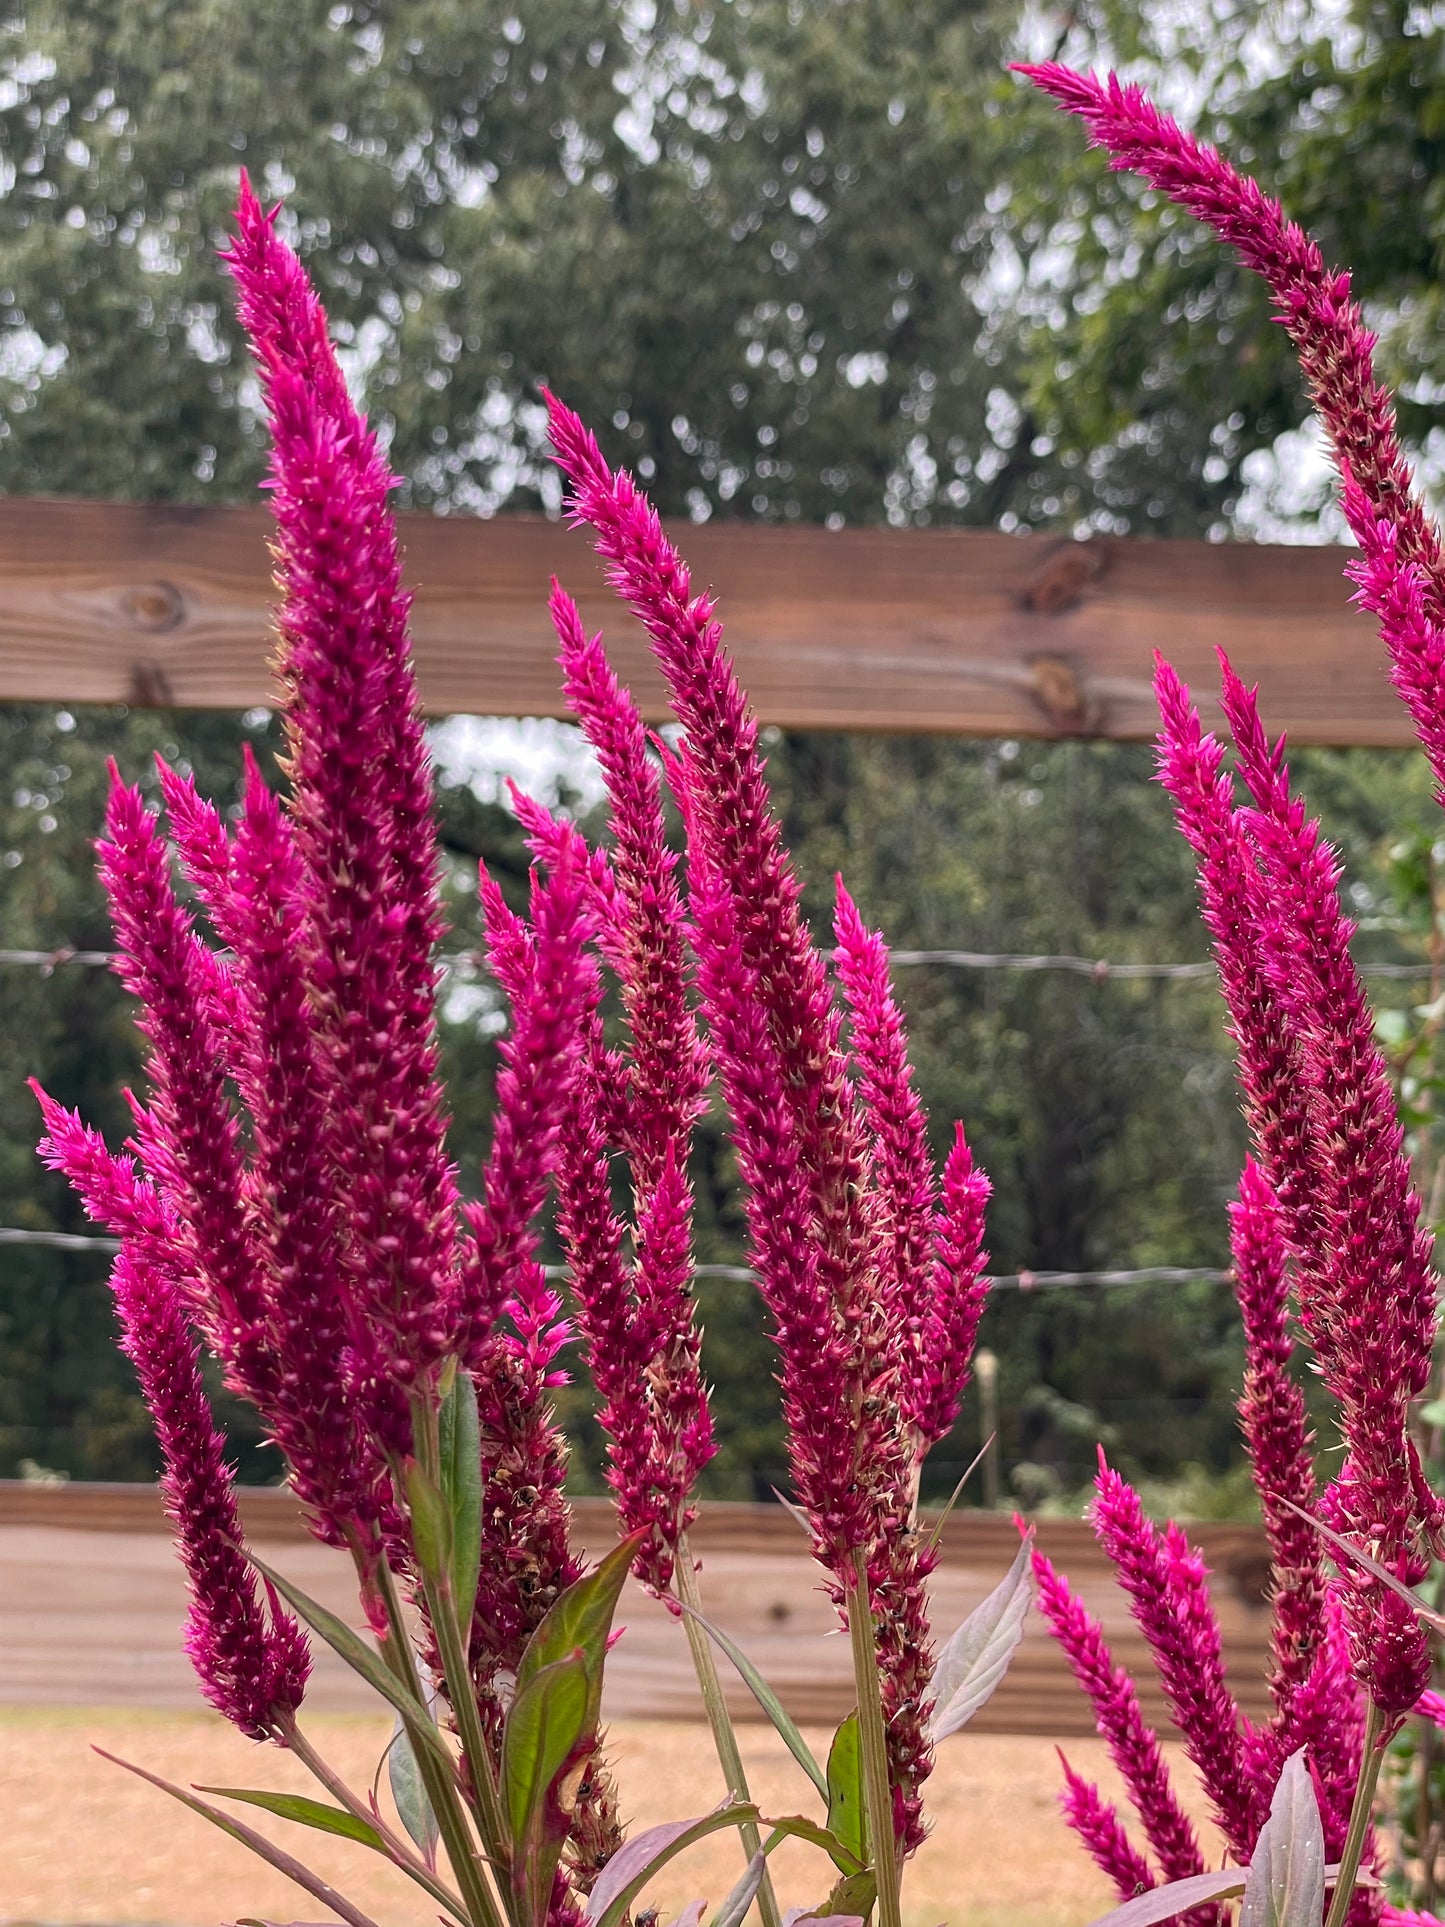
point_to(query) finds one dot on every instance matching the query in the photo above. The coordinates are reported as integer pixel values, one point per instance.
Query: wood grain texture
(945, 631)
(92, 1602)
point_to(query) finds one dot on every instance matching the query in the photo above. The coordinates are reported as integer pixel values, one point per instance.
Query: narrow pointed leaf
(540, 1751)
(1285, 1886)
(734, 1909)
(305, 1812)
(461, 1474)
(580, 1619)
(777, 1713)
(1358, 1556)
(634, 1864)
(936, 1530)
(977, 1657)
(359, 1657)
(847, 1806)
(267, 1850)
(409, 1793)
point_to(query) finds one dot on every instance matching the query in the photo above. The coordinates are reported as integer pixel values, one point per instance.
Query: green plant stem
(873, 1741)
(724, 1737)
(1371, 1756)
(458, 1676)
(401, 1852)
(440, 1782)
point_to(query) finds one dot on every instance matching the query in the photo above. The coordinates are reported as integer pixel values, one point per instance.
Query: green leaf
(267, 1850)
(360, 1658)
(431, 1526)
(407, 1790)
(580, 1619)
(306, 1812)
(847, 1806)
(783, 1726)
(935, 1532)
(544, 1743)
(977, 1657)
(634, 1863)
(1285, 1886)
(797, 1826)
(853, 1897)
(461, 1477)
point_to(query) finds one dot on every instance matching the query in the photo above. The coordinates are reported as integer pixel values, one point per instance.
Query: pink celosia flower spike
(1167, 1584)
(361, 802)
(639, 1326)
(1368, 1290)
(188, 1136)
(732, 818)
(1400, 575)
(252, 1661)
(1133, 1746)
(1277, 1438)
(550, 980)
(1314, 302)
(1107, 1842)
(331, 1377)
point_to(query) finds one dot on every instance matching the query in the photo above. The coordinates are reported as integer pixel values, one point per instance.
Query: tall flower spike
(1133, 1747)
(252, 1661)
(1167, 1586)
(641, 1335)
(1106, 1839)
(188, 1134)
(1277, 1439)
(331, 1376)
(361, 802)
(1368, 1290)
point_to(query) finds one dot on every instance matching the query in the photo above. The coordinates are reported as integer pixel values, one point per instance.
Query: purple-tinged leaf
(1163, 1903)
(691, 1915)
(634, 1863)
(734, 1909)
(268, 1851)
(977, 1657)
(1285, 1886)
(409, 1793)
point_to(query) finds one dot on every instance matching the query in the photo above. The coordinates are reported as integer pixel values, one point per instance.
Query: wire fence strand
(1101, 969)
(741, 1274)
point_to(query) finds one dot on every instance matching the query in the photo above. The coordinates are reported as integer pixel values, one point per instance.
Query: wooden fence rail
(91, 1603)
(946, 631)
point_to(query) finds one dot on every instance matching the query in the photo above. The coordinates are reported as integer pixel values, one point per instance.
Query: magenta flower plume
(932, 1288)
(638, 1323)
(188, 1134)
(360, 801)
(826, 1200)
(1106, 1840)
(1167, 1585)
(1133, 1746)
(252, 1660)
(1277, 1439)
(513, 1316)
(331, 1377)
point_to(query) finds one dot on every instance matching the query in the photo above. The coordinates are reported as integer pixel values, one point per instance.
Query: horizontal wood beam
(946, 631)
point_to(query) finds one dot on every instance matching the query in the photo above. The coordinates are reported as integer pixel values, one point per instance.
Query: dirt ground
(85, 1842)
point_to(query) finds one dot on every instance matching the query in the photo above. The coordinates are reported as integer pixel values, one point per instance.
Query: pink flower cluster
(288, 1198)
(1327, 1214)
